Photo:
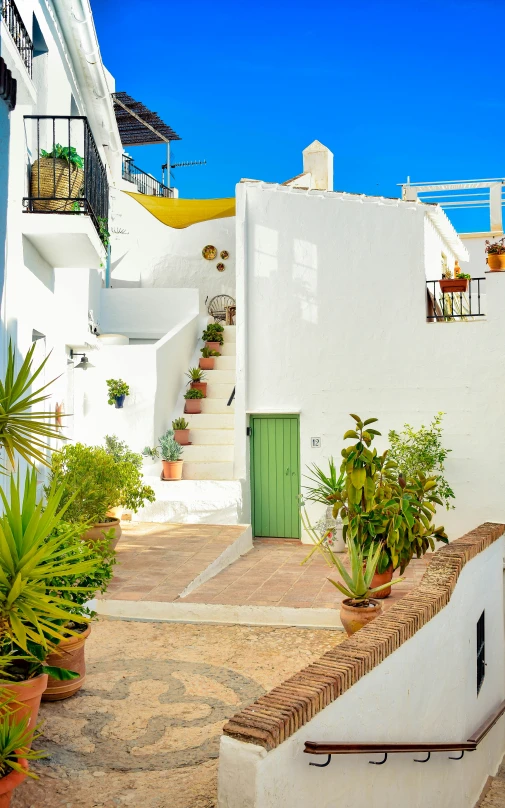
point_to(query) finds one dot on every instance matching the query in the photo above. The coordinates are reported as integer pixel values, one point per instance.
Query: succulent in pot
(207, 359)
(193, 401)
(181, 431)
(495, 251)
(196, 378)
(117, 392)
(170, 452)
(213, 336)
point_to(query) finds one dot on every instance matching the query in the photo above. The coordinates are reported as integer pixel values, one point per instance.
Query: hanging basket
(55, 178)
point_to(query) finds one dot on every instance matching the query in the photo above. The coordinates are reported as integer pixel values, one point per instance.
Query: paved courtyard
(144, 731)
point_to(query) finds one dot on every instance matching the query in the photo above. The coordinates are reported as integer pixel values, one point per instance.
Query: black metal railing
(446, 304)
(18, 32)
(146, 184)
(66, 173)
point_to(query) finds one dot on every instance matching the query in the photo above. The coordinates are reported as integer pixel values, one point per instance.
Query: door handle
(287, 472)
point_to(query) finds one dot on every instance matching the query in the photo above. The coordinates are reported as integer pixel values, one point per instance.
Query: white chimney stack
(318, 162)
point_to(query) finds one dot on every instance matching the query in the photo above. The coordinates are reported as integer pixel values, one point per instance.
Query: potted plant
(495, 251)
(15, 751)
(457, 284)
(133, 493)
(170, 452)
(118, 390)
(196, 378)
(57, 177)
(213, 336)
(193, 403)
(207, 359)
(181, 431)
(77, 588)
(36, 546)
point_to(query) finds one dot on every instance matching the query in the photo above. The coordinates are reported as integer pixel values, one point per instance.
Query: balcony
(18, 32)
(66, 177)
(16, 48)
(449, 301)
(146, 183)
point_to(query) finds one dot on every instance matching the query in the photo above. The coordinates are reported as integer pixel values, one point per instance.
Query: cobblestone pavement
(144, 732)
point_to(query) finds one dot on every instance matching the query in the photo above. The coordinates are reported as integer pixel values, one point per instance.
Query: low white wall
(475, 243)
(424, 692)
(145, 313)
(147, 253)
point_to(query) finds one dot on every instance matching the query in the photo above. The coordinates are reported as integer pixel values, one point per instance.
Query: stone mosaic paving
(144, 732)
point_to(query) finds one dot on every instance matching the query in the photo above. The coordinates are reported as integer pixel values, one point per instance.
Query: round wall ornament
(224, 254)
(209, 252)
(220, 267)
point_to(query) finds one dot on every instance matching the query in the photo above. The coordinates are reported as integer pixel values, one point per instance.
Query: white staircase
(212, 436)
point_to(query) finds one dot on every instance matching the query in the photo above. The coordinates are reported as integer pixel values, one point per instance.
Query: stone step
(212, 437)
(223, 391)
(225, 363)
(227, 349)
(211, 420)
(218, 405)
(220, 376)
(201, 470)
(229, 333)
(208, 452)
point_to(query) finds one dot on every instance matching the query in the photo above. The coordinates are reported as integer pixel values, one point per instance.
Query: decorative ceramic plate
(209, 252)
(220, 267)
(224, 254)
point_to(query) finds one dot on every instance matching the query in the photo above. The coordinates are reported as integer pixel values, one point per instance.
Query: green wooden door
(275, 475)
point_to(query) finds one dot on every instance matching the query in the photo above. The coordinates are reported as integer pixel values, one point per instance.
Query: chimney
(318, 162)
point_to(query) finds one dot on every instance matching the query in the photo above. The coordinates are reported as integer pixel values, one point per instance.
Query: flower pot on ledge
(182, 436)
(214, 346)
(202, 386)
(206, 363)
(448, 285)
(496, 262)
(193, 406)
(172, 469)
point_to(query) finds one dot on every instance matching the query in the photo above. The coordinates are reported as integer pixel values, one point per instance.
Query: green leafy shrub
(207, 353)
(192, 393)
(68, 153)
(116, 388)
(134, 493)
(213, 333)
(180, 423)
(421, 451)
(90, 479)
(16, 742)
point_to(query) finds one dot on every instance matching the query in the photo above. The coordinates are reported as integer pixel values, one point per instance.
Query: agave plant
(327, 485)
(195, 375)
(24, 428)
(32, 553)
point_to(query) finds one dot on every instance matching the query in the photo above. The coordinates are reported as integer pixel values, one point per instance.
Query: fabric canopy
(181, 213)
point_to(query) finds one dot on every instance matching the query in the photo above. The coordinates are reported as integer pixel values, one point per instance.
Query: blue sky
(392, 88)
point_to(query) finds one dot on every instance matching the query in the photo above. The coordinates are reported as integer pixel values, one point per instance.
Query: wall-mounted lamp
(84, 364)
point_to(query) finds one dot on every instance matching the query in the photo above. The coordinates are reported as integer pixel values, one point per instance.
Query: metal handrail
(18, 32)
(146, 184)
(231, 397)
(470, 745)
(454, 305)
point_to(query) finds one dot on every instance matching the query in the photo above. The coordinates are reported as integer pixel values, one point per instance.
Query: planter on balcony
(496, 262)
(448, 285)
(55, 177)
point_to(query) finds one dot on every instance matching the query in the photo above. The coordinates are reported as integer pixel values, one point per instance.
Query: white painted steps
(212, 436)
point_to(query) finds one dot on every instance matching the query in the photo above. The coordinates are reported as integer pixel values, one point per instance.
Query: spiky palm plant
(24, 429)
(15, 743)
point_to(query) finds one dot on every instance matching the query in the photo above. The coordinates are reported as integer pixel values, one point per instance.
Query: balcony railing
(18, 32)
(66, 174)
(446, 305)
(146, 184)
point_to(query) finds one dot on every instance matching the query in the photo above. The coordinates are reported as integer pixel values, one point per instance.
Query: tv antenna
(183, 164)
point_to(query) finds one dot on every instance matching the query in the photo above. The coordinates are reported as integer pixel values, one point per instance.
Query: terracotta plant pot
(97, 532)
(10, 782)
(448, 285)
(28, 693)
(70, 655)
(214, 346)
(355, 617)
(381, 578)
(193, 406)
(206, 364)
(182, 436)
(496, 263)
(172, 469)
(202, 386)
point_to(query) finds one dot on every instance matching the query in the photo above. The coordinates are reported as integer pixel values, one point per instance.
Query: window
(481, 652)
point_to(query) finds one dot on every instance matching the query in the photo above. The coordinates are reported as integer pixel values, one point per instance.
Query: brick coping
(281, 712)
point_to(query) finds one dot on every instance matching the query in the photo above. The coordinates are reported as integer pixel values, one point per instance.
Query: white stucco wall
(150, 254)
(424, 692)
(332, 294)
(475, 244)
(145, 313)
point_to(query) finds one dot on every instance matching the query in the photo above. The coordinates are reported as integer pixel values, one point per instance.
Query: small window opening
(481, 652)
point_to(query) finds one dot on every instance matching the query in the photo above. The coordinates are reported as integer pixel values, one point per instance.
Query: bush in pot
(196, 378)
(207, 360)
(193, 401)
(495, 251)
(117, 392)
(213, 336)
(57, 173)
(181, 431)
(134, 493)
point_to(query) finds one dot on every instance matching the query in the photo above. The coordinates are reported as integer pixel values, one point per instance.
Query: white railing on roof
(461, 194)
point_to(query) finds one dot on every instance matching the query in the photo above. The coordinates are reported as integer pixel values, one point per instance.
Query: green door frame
(295, 529)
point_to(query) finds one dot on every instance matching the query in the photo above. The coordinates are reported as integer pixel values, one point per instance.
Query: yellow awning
(181, 213)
